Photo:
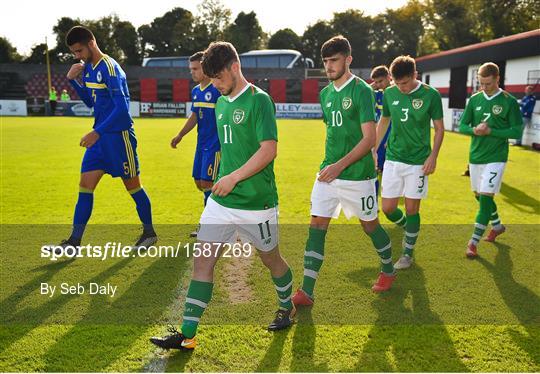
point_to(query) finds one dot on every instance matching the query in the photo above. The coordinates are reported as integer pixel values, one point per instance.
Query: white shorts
(356, 198)
(400, 179)
(220, 224)
(487, 178)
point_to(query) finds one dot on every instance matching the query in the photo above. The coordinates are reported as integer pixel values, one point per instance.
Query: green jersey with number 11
(345, 109)
(502, 114)
(242, 123)
(410, 139)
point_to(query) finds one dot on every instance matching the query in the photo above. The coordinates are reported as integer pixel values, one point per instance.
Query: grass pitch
(446, 314)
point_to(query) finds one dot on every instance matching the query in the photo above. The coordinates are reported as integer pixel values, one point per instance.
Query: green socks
(284, 289)
(313, 259)
(412, 229)
(397, 217)
(197, 299)
(482, 218)
(381, 242)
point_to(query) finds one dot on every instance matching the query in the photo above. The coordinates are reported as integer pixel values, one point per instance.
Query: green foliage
(245, 33)
(8, 53)
(285, 39)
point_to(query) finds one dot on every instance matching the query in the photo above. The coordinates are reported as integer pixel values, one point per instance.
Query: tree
(168, 35)
(61, 52)
(104, 30)
(498, 18)
(245, 33)
(397, 32)
(285, 39)
(127, 40)
(37, 55)
(8, 53)
(215, 16)
(356, 27)
(314, 37)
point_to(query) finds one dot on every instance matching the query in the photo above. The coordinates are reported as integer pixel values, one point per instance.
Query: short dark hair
(403, 66)
(380, 71)
(335, 45)
(489, 69)
(197, 56)
(218, 57)
(79, 34)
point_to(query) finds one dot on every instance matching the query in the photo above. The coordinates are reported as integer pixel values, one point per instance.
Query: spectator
(53, 97)
(527, 107)
(64, 96)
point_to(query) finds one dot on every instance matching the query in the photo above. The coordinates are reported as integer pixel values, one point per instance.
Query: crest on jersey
(346, 103)
(98, 76)
(87, 75)
(208, 96)
(238, 116)
(417, 103)
(497, 109)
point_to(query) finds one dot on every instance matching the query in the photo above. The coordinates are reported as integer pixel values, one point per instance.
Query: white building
(454, 74)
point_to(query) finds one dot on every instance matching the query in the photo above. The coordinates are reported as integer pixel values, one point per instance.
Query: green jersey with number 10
(502, 114)
(410, 139)
(242, 123)
(345, 109)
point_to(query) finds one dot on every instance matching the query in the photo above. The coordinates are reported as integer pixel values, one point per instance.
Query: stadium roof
(525, 44)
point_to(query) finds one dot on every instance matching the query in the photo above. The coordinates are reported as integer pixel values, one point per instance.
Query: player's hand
(225, 185)
(175, 141)
(429, 165)
(89, 139)
(75, 70)
(482, 129)
(329, 173)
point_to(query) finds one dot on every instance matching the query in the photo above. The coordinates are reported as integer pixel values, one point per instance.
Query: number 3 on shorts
(422, 181)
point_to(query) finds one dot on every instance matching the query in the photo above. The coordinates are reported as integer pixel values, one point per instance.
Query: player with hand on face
(111, 147)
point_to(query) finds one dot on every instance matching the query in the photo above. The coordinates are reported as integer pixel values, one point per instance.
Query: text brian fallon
(79, 289)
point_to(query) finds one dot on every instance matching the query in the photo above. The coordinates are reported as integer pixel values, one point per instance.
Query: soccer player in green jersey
(412, 106)
(347, 175)
(244, 199)
(491, 117)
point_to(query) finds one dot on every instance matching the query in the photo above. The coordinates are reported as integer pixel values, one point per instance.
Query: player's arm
(188, 126)
(382, 127)
(431, 162)
(120, 112)
(465, 121)
(72, 75)
(436, 113)
(266, 133)
(364, 146)
(516, 124)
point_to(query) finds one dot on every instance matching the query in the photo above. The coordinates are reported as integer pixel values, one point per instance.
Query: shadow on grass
(271, 360)
(521, 301)
(520, 199)
(101, 337)
(303, 345)
(406, 338)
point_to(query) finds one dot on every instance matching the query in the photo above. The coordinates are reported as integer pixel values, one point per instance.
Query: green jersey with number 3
(502, 114)
(345, 109)
(410, 136)
(242, 123)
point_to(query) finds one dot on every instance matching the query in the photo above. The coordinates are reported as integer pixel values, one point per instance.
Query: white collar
(492, 96)
(344, 84)
(416, 88)
(231, 99)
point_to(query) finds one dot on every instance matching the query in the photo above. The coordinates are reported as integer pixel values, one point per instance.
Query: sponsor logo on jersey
(478, 108)
(208, 96)
(395, 102)
(417, 103)
(497, 109)
(194, 97)
(220, 116)
(238, 116)
(98, 76)
(328, 105)
(346, 103)
(87, 75)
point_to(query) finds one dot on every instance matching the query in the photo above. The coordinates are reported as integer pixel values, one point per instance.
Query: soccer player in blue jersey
(111, 145)
(381, 80)
(207, 154)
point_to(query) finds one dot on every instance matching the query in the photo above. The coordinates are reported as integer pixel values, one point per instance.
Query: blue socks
(83, 211)
(144, 209)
